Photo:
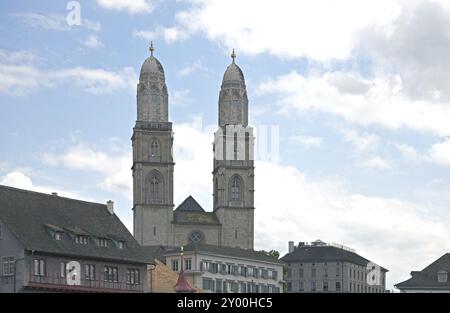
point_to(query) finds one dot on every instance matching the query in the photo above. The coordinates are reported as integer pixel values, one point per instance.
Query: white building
(225, 269)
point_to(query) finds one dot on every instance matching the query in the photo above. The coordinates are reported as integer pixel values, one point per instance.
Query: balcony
(59, 284)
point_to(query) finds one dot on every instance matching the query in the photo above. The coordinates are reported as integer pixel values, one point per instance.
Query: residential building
(321, 267)
(228, 270)
(432, 279)
(51, 243)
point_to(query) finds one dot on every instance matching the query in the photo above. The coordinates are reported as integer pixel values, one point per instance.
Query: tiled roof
(189, 204)
(428, 277)
(32, 216)
(324, 254)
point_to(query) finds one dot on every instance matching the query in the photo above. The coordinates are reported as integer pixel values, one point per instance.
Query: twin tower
(231, 222)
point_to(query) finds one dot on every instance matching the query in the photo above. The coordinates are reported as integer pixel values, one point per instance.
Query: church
(230, 223)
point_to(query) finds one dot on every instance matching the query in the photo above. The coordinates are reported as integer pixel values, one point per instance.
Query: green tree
(272, 253)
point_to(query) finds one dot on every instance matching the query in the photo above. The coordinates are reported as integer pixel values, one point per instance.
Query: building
(225, 269)
(433, 278)
(51, 243)
(231, 220)
(321, 267)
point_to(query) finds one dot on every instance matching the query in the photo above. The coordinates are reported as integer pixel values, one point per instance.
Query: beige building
(228, 270)
(321, 267)
(231, 220)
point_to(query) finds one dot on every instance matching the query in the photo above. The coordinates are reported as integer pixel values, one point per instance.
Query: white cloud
(56, 22)
(113, 165)
(376, 162)
(308, 141)
(381, 102)
(407, 151)
(23, 77)
(19, 179)
(363, 143)
(440, 153)
(131, 6)
(417, 49)
(195, 67)
(92, 41)
(14, 57)
(320, 30)
(169, 34)
(181, 97)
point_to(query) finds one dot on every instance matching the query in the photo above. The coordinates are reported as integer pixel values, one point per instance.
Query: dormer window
(442, 277)
(120, 244)
(58, 236)
(81, 239)
(102, 242)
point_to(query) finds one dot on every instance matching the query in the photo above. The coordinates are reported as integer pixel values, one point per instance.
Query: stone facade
(153, 166)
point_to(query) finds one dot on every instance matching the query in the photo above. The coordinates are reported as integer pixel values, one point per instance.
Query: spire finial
(233, 55)
(151, 48)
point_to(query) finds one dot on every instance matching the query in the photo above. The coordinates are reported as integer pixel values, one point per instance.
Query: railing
(60, 283)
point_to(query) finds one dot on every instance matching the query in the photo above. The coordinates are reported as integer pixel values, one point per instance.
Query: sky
(357, 91)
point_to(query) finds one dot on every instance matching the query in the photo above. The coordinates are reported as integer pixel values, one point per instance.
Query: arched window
(154, 148)
(236, 185)
(154, 187)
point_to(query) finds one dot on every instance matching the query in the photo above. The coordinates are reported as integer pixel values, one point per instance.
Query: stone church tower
(230, 223)
(233, 168)
(152, 158)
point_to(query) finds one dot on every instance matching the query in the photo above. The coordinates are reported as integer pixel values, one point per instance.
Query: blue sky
(358, 89)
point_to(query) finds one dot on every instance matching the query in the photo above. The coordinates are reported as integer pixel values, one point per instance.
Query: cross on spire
(233, 55)
(151, 48)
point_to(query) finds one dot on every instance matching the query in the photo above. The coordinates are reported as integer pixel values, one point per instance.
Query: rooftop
(34, 218)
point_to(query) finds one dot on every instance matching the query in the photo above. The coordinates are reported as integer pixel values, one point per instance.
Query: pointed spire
(233, 55)
(182, 284)
(151, 48)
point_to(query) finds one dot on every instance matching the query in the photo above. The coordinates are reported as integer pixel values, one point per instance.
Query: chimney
(291, 246)
(110, 207)
(54, 194)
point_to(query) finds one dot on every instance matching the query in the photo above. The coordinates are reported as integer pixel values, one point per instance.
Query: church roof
(33, 217)
(428, 277)
(190, 212)
(189, 204)
(233, 73)
(152, 65)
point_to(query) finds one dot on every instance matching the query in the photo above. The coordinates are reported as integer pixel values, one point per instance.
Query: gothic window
(154, 148)
(154, 187)
(236, 188)
(196, 237)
